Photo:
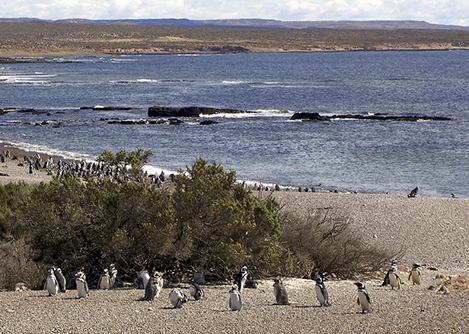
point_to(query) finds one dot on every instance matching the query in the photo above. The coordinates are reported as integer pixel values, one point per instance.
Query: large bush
(205, 219)
(221, 225)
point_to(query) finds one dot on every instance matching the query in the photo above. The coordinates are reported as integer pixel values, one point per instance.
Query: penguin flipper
(358, 301)
(386, 280)
(368, 298)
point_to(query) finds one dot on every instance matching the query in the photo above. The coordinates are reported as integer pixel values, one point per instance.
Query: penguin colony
(153, 285)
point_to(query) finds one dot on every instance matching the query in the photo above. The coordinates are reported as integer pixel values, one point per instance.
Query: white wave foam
(252, 114)
(47, 150)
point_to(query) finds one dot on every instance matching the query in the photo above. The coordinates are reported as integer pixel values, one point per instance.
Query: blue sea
(263, 146)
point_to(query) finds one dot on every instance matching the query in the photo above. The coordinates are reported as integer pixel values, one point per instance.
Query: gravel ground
(412, 308)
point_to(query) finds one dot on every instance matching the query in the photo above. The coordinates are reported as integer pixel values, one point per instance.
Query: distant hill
(252, 23)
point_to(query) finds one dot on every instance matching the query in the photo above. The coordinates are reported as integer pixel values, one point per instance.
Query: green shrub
(221, 225)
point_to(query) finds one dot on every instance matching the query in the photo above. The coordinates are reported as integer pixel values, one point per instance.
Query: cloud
(435, 11)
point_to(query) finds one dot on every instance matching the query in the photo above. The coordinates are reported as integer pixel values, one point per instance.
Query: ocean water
(264, 146)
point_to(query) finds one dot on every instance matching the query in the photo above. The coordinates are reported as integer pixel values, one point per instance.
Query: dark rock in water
(208, 122)
(32, 111)
(386, 117)
(316, 117)
(175, 121)
(159, 111)
(309, 116)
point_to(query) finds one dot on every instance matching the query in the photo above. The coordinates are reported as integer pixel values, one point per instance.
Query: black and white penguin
(60, 279)
(112, 274)
(394, 279)
(196, 291)
(240, 278)
(104, 282)
(363, 299)
(413, 192)
(142, 278)
(154, 286)
(236, 301)
(51, 283)
(321, 292)
(177, 298)
(82, 286)
(386, 278)
(415, 273)
(281, 295)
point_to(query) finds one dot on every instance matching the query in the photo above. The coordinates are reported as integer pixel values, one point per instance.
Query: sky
(434, 11)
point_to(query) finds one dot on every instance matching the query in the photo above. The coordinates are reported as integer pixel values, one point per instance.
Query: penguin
(177, 298)
(386, 278)
(196, 291)
(60, 279)
(143, 277)
(104, 282)
(281, 295)
(394, 279)
(51, 283)
(321, 292)
(236, 301)
(363, 299)
(154, 286)
(413, 192)
(82, 286)
(240, 278)
(251, 283)
(415, 274)
(112, 274)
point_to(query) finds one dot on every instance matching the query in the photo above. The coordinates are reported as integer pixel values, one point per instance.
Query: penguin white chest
(363, 301)
(415, 277)
(105, 283)
(236, 303)
(52, 286)
(394, 280)
(319, 295)
(82, 289)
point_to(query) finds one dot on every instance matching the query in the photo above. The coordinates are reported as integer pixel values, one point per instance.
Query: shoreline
(428, 230)
(27, 56)
(21, 173)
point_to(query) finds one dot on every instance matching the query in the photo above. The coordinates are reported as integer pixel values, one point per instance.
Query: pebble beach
(431, 231)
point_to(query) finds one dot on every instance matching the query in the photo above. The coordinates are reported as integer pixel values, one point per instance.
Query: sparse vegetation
(205, 219)
(49, 38)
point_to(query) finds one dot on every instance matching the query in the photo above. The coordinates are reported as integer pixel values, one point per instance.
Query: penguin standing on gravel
(154, 286)
(236, 301)
(415, 274)
(104, 282)
(321, 292)
(394, 279)
(241, 277)
(363, 299)
(51, 283)
(60, 279)
(281, 295)
(386, 278)
(82, 286)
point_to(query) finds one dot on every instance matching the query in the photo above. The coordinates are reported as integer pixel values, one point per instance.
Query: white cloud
(435, 11)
